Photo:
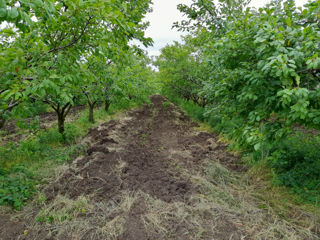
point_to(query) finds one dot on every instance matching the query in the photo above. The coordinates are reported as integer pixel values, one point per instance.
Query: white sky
(165, 13)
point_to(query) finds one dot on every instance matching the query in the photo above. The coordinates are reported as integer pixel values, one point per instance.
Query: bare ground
(151, 175)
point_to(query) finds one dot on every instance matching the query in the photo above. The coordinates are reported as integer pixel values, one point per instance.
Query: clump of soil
(146, 177)
(142, 163)
(10, 229)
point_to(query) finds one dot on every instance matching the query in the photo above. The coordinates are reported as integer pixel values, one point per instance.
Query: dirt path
(151, 176)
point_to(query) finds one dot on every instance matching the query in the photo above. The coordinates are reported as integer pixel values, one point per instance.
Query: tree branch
(75, 38)
(73, 41)
(317, 70)
(69, 106)
(52, 104)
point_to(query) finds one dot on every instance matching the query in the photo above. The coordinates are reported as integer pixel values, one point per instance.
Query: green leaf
(298, 80)
(305, 12)
(54, 76)
(38, 3)
(257, 146)
(3, 4)
(288, 21)
(13, 13)
(3, 12)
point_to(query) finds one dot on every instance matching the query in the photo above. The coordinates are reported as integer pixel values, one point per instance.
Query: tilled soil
(149, 176)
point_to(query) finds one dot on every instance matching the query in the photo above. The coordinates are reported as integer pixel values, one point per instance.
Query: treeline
(61, 52)
(56, 54)
(256, 73)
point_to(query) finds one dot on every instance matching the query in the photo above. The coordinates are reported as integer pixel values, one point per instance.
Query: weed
(33, 125)
(154, 112)
(143, 138)
(16, 186)
(61, 210)
(194, 111)
(166, 104)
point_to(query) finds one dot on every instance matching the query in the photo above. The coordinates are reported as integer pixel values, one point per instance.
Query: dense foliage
(57, 54)
(258, 74)
(51, 50)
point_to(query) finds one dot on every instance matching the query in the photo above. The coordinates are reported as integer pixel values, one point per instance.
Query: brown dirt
(143, 156)
(134, 224)
(145, 177)
(10, 229)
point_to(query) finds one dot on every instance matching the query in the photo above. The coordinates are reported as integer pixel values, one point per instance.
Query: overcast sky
(165, 13)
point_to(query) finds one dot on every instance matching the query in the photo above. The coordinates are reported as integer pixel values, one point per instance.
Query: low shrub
(16, 186)
(296, 164)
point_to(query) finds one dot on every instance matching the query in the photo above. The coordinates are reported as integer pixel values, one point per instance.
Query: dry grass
(237, 199)
(225, 199)
(280, 201)
(81, 218)
(204, 214)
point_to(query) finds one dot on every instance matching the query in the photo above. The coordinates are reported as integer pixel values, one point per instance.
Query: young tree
(182, 70)
(95, 72)
(52, 49)
(262, 66)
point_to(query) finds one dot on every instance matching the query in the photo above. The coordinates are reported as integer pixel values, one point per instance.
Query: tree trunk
(62, 113)
(106, 105)
(91, 117)
(61, 123)
(2, 122)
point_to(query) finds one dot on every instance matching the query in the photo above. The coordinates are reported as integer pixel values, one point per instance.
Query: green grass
(296, 164)
(294, 161)
(24, 166)
(193, 110)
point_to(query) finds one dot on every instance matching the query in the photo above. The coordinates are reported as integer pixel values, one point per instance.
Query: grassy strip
(27, 165)
(294, 203)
